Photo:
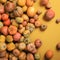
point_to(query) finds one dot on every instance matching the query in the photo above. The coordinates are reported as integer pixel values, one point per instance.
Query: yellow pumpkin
(31, 12)
(2, 38)
(21, 2)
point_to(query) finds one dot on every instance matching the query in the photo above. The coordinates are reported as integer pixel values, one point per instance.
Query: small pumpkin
(18, 11)
(10, 6)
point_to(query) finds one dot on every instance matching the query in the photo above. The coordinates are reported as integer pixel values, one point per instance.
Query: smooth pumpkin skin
(49, 54)
(31, 12)
(29, 2)
(21, 2)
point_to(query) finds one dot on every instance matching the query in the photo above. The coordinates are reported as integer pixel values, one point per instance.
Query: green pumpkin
(37, 56)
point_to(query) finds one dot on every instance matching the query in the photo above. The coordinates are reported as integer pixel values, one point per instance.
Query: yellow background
(51, 36)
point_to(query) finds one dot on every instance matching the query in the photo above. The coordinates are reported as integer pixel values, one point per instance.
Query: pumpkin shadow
(45, 18)
(45, 58)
